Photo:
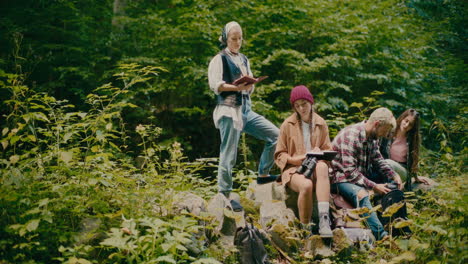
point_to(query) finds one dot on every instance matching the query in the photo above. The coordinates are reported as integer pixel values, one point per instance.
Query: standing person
(233, 113)
(358, 148)
(402, 151)
(305, 131)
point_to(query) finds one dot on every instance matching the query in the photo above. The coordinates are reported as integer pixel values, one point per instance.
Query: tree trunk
(119, 11)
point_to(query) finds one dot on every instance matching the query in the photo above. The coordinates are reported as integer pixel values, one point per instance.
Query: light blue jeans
(350, 192)
(255, 125)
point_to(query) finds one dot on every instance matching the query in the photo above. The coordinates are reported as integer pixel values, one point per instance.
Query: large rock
(259, 193)
(283, 238)
(316, 247)
(229, 221)
(276, 218)
(346, 237)
(190, 202)
(341, 241)
(275, 212)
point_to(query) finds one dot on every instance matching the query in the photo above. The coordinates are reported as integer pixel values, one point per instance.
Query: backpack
(341, 213)
(393, 197)
(251, 244)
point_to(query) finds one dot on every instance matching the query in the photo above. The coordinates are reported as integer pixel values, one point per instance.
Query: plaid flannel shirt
(356, 155)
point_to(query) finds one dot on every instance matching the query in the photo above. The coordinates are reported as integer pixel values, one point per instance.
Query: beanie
(301, 92)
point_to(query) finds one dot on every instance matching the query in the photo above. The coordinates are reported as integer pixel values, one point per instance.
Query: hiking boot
(324, 226)
(267, 179)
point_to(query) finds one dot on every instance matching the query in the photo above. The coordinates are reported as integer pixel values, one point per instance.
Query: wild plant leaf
(74, 260)
(66, 156)
(392, 209)
(166, 258)
(436, 229)
(360, 210)
(4, 144)
(207, 261)
(32, 211)
(32, 224)
(14, 139)
(402, 223)
(41, 116)
(415, 244)
(67, 136)
(100, 135)
(181, 237)
(14, 159)
(376, 208)
(405, 257)
(181, 248)
(116, 239)
(167, 246)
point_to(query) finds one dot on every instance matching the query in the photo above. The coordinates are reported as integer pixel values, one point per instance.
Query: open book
(323, 155)
(249, 80)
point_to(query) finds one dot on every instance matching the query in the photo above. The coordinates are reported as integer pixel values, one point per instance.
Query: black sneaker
(236, 207)
(267, 179)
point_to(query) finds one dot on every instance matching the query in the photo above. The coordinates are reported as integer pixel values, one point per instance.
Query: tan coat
(291, 143)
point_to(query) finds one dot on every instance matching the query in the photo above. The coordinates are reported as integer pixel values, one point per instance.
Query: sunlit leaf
(67, 136)
(360, 210)
(392, 209)
(402, 223)
(32, 225)
(43, 202)
(207, 261)
(66, 156)
(406, 256)
(100, 135)
(167, 258)
(4, 144)
(14, 159)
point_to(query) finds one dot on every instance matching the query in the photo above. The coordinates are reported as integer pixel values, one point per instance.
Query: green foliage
(74, 154)
(413, 51)
(61, 168)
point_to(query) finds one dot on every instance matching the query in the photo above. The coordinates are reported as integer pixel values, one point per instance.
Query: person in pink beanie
(305, 131)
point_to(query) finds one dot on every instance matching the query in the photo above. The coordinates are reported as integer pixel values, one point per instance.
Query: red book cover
(249, 80)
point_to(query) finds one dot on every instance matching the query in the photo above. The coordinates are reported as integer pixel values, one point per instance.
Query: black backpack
(251, 244)
(393, 197)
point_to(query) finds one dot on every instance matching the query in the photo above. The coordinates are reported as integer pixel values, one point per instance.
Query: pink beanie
(301, 92)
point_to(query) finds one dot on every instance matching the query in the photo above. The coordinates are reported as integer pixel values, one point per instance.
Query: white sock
(323, 207)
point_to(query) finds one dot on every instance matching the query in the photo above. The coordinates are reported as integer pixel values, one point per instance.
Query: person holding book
(358, 149)
(401, 150)
(233, 114)
(302, 132)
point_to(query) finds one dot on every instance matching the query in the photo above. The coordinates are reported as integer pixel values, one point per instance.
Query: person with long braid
(305, 131)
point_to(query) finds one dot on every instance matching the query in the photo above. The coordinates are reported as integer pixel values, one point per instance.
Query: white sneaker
(324, 226)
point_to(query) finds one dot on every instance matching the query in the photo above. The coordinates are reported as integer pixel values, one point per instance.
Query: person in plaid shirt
(358, 149)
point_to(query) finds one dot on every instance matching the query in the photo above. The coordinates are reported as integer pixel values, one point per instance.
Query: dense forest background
(101, 97)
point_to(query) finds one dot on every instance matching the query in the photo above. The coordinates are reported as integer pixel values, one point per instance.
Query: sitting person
(402, 150)
(305, 131)
(358, 148)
